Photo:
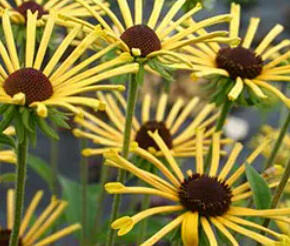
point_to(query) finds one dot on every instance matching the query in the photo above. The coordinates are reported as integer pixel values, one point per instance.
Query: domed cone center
(141, 37)
(205, 195)
(145, 141)
(240, 62)
(5, 237)
(33, 6)
(33, 83)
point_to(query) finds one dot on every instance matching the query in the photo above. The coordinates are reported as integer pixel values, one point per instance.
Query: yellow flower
(42, 84)
(204, 199)
(151, 38)
(31, 234)
(179, 139)
(247, 68)
(19, 9)
(269, 132)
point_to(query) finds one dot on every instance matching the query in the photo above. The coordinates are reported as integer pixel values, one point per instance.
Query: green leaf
(203, 241)
(46, 129)
(72, 194)
(19, 127)
(7, 140)
(7, 118)
(164, 71)
(26, 119)
(59, 119)
(8, 178)
(261, 191)
(41, 167)
(3, 108)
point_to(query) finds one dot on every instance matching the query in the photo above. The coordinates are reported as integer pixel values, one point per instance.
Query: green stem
(100, 200)
(84, 184)
(131, 103)
(226, 108)
(144, 223)
(278, 143)
(278, 192)
(22, 149)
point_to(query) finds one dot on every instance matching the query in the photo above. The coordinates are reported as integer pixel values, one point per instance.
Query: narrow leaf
(7, 178)
(19, 127)
(41, 167)
(261, 191)
(72, 194)
(7, 140)
(46, 129)
(7, 118)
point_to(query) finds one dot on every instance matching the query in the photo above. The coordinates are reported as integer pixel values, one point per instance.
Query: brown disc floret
(206, 195)
(141, 37)
(145, 141)
(240, 62)
(33, 83)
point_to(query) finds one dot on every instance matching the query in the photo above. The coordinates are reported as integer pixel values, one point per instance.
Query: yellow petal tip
(114, 187)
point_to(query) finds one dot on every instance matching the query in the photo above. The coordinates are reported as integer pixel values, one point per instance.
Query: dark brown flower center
(5, 236)
(145, 141)
(33, 6)
(240, 62)
(206, 195)
(33, 83)
(141, 37)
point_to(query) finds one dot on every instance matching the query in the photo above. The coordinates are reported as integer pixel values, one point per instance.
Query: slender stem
(22, 149)
(223, 116)
(144, 223)
(84, 184)
(284, 110)
(283, 182)
(278, 143)
(226, 108)
(131, 103)
(100, 199)
(278, 192)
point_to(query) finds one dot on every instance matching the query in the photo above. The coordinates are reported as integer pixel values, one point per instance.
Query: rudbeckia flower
(18, 9)
(169, 121)
(247, 69)
(35, 233)
(204, 199)
(157, 37)
(38, 84)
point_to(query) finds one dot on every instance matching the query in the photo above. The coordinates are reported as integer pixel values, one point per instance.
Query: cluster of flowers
(37, 78)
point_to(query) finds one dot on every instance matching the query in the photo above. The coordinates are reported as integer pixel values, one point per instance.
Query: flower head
(240, 69)
(32, 233)
(180, 140)
(38, 84)
(156, 37)
(19, 9)
(204, 199)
